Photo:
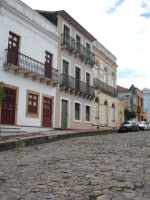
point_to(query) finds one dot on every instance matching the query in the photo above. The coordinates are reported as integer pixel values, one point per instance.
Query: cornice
(21, 16)
(106, 54)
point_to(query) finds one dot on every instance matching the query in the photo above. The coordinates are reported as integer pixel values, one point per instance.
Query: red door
(48, 64)
(13, 48)
(8, 111)
(47, 112)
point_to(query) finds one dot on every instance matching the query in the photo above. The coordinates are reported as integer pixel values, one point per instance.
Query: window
(78, 41)
(77, 78)
(65, 67)
(87, 113)
(32, 103)
(87, 78)
(77, 111)
(66, 31)
(88, 47)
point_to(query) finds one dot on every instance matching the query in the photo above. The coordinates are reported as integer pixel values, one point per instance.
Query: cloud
(146, 15)
(115, 6)
(146, 9)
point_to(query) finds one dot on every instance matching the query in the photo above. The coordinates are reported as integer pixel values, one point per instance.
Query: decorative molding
(105, 53)
(34, 24)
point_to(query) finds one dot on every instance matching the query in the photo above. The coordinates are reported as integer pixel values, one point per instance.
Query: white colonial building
(105, 73)
(28, 66)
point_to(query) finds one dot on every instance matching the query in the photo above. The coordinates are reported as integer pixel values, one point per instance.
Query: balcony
(30, 68)
(71, 85)
(104, 87)
(85, 55)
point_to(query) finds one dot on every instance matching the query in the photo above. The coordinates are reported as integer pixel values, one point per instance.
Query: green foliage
(129, 115)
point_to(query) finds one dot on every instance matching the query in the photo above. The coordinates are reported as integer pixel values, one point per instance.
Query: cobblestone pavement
(108, 167)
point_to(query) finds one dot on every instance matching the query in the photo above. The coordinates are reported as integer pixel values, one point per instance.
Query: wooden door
(47, 112)
(78, 43)
(64, 114)
(13, 48)
(87, 82)
(65, 73)
(8, 111)
(77, 78)
(48, 64)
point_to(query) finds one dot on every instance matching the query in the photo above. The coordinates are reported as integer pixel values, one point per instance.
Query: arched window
(96, 100)
(113, 105)
(105, 103)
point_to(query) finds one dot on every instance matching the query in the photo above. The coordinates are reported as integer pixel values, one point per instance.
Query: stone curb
(35, 140)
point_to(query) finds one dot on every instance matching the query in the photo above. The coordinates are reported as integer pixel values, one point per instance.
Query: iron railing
(71, 84)
(29, 65)
(104, 87)
(79, 50)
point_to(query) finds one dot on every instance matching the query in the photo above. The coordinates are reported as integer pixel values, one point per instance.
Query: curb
(23, 142)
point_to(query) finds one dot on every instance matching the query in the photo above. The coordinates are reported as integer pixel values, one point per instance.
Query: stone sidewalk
(11, 142)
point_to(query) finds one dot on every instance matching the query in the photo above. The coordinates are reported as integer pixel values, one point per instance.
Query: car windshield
(126, 123)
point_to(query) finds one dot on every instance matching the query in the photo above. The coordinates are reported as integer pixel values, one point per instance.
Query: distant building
(146, 95)
(133, 100)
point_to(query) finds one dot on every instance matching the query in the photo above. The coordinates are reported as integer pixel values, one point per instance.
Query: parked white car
(144, 125)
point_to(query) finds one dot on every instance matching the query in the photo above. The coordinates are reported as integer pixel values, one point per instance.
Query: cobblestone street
(108, 167)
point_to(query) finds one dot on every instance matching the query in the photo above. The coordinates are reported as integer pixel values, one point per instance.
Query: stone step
(17, 130)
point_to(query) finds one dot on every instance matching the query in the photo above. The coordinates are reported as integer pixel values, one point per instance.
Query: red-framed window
(32, 103)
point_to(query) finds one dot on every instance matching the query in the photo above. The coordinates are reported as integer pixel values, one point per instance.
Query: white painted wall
(35, 39)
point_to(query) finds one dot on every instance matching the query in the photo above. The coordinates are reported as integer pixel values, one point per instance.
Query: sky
(122, 26)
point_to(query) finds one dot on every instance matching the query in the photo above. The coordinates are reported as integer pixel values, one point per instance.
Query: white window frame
(69, 118)
(68, 25)
(69, 61)
(74, 119)
(90, 113)
(91, 78)
(78, 66)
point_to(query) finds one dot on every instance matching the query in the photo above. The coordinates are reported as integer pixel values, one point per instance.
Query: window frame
(80, 113)
(28, 114)
(87, 121)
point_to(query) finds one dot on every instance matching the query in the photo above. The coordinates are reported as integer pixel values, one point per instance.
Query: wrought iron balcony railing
(104, 87)
(68, 42)
(21, 63)
(79, 50)
(72, 85)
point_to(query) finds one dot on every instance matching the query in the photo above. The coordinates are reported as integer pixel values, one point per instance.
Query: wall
(74, 61)
(106, 115)
(35, 39)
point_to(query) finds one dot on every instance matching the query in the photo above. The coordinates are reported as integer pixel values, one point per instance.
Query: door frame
(67, 99)
(69, 66)
(17, 100)
(52, 120)
(19, 37)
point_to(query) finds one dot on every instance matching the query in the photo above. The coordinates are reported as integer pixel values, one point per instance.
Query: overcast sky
(122, 26)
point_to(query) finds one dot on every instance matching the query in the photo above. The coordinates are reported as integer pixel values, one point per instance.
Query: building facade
(28, 66)
(76, 94)
(133, 101)
(146, 95)
(120, 112)
(105, 73)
